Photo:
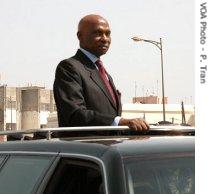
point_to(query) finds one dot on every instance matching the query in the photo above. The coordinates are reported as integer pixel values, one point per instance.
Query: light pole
(159, 45)
(10, 100)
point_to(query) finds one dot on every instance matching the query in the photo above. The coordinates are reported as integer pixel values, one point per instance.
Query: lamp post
(159, 45)
(10, 100)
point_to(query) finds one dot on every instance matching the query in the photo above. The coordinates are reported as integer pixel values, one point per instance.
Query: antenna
(153, 90)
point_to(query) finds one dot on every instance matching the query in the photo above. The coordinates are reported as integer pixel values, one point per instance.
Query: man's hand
(135, 124)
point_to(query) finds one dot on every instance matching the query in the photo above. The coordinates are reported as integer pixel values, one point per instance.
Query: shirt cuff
(116, 121)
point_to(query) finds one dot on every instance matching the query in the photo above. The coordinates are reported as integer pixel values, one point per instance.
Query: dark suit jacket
(81, 97)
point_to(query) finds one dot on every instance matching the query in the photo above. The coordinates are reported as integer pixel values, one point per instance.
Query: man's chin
(102, 52)
(99, 52)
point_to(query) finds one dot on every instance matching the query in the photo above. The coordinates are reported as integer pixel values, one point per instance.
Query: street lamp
(159, 45)
(10, 101)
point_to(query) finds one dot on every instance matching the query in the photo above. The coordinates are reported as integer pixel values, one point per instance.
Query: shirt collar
(91, 56)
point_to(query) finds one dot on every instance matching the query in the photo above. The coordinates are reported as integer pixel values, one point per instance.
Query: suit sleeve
(70, 101)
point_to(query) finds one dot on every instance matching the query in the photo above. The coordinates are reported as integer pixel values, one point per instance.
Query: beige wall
(153, 112)
(44, 96)
(31, 106)
(149, 100)
(30, 100)
(30, 120)
(2, 108)
(7, 101)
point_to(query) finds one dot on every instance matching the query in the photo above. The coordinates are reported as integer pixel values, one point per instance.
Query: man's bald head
(94, 34)
(89, 20)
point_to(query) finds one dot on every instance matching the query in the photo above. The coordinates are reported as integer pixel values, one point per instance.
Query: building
(153, 113)
(33, 107)
(149, 100)
(25, 107)
(8, 106)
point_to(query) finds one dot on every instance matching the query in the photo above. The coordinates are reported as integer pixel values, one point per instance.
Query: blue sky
(36, 34)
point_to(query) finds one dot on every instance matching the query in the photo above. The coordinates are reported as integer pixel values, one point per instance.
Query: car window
(169, 176)
(20, 173)
(1, 159)
(77, 177)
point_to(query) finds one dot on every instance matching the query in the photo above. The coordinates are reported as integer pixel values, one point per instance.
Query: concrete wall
(30, 100)
(149, 100)
(52, 102)
(52, 120)
(7, 102)
(2, 108)
(18, 109)
(153, 112)
(44, 96)
(30, 120)
(46, 106)
(30, 108)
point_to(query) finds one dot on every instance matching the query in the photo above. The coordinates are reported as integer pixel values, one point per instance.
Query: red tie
(104, 77)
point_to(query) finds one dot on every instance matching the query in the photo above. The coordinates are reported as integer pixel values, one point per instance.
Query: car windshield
(162, 176)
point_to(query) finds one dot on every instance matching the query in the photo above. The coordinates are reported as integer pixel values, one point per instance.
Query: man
(84, 92)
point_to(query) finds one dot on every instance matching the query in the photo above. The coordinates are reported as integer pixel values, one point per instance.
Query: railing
(118, 130)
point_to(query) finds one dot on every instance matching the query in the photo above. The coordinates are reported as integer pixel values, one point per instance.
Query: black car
(100, 161)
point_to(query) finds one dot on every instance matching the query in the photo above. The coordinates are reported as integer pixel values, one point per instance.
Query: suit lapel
(95, 76)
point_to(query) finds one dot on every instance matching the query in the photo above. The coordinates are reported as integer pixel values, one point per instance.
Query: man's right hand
(136, 124)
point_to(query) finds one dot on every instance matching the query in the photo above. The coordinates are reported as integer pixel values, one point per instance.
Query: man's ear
(79, 35)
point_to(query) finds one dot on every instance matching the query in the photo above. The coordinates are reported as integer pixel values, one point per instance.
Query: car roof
(96, 147)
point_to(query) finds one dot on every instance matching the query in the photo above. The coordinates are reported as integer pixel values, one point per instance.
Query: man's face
(95, 37)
